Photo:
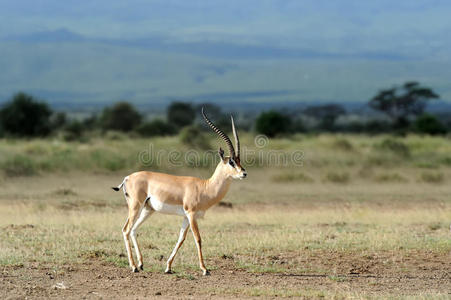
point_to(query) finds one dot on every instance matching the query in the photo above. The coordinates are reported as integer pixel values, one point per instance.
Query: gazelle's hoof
(141, 267)
(169, 271)
(206, 273)
(135, 270)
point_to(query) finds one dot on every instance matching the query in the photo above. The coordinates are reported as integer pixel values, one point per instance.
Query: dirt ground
(337, 272)
(378, 274)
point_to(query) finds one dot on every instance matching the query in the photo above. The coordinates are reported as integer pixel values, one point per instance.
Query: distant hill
(78, 52)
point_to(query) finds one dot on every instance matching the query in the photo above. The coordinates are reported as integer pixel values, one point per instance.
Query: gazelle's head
(229, 165)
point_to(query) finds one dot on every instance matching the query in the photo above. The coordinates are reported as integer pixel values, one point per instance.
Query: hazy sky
(408, 37)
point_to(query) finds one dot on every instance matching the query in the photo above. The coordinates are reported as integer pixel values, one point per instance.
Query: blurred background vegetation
(84, 95)
(397, 110)
(36, 138)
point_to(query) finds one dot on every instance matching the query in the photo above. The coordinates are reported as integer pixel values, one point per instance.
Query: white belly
(164, 208)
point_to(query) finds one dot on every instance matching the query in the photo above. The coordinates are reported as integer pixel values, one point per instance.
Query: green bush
(156, 128)
(73, 131)
(181, 114)
(429, 124)
(192, 136)
(272, 123)
(19, 165)
(121, 117)
(446, 161)
(23, 116)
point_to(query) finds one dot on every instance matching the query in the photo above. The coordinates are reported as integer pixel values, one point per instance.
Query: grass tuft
(390, 177)
(432, 177)
(19, 165)
(342, 144)
(65, 192)
(292, 177)
(337, 177)
(395, 147)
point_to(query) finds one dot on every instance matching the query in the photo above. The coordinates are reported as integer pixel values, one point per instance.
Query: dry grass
(68, 224)
(324, 206)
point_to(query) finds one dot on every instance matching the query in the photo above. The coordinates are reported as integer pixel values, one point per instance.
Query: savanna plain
(351, 217)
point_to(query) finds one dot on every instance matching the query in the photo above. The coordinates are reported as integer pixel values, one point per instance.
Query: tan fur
(192, 194)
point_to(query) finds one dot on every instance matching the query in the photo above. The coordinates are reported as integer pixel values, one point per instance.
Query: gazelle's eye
(232, 163)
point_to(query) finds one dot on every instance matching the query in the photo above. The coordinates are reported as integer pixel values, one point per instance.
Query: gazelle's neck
(217, 185)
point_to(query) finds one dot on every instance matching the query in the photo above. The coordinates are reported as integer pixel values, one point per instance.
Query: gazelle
(189, 197)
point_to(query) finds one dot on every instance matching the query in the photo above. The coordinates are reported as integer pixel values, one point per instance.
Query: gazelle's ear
(221, 153)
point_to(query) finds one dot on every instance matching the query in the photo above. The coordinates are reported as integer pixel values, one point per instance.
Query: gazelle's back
(160, 187)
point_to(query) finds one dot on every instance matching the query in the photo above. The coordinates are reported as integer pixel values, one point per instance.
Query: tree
(327, 114)
(156, 128)
(181, 114)
(24, 116)
(402, 103)
(272, 123)
(122, 116)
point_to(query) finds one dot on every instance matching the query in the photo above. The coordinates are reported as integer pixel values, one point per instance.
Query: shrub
(429, 124)
(91, 122)
(446, 161)
(338, 177)
(292, 177)
(435, 226)
(395, 147)
(121, 117)
(192, 136)
(115, 136)
(432, 164)
(432, 177)
(156, 128)
(390, 177)
(181, 114)
(272, 123)
(343, 144)
(58, 120)
(73, 131)
(19, 165)
(23, 116)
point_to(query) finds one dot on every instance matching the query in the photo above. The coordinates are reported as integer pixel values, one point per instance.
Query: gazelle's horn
(237, 140)
(220, 133)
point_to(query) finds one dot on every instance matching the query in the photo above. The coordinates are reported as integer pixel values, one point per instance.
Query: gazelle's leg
(133, 213)
(180, 241)
(197, 239)
(127, 242)
(145, 213)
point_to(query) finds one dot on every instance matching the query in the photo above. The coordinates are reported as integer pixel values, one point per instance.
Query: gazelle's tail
(117, 188)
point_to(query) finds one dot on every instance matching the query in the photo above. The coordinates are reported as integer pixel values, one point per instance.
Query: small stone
(59, 286)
